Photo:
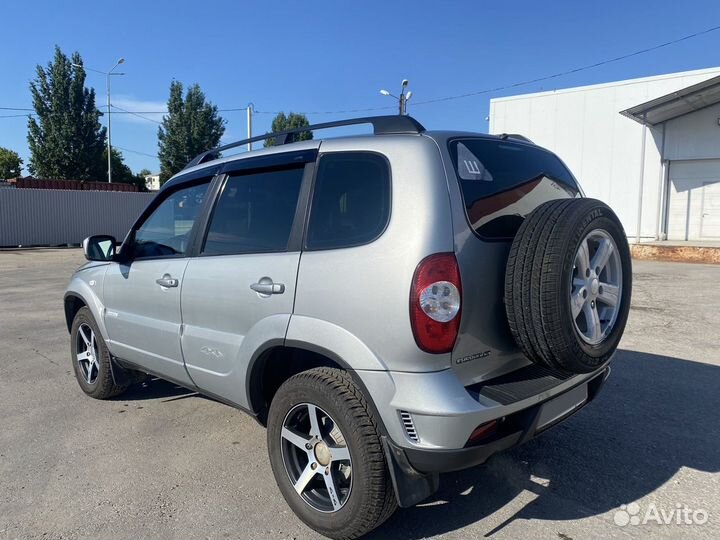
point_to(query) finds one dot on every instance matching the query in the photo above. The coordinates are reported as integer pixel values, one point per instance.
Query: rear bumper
(415, 471)
(520, 427)
(435, 411)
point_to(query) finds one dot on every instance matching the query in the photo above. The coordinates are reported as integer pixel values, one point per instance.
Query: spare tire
(568, 283)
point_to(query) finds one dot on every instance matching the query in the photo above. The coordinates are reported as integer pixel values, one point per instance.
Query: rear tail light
(483, 431)
(435, 298)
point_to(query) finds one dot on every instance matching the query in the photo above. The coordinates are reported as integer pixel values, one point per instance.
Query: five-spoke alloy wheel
(326, 454)
(87, 353)
(91, 358)
(568, 285)
(316, 458)
(596, 286)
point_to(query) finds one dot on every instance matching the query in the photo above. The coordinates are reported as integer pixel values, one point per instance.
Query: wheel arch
(73, 302)
(277, 362)
(78, 296)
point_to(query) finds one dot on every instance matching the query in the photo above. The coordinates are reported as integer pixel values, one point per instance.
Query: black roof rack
(382, 125)
(515, 136)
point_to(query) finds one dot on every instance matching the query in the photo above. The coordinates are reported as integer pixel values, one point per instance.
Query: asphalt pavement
(163, 462)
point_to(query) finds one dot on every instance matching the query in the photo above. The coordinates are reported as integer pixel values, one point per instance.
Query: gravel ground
(164, 462)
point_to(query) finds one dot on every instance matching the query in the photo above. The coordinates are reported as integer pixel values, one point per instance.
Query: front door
(238, 293)
(142, 294)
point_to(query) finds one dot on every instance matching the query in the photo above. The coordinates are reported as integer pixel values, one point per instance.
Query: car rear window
(504, 180)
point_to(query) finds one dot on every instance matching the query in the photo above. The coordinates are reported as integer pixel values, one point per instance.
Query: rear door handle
(266, 286)
(167, 281)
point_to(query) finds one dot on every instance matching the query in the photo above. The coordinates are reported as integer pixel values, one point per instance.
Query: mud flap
(411, 486)
(122, 376)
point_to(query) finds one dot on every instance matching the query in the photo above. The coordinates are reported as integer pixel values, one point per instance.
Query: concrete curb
(692, 254)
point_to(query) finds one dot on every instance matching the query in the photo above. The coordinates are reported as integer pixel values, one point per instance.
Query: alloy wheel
(596, 287)
(86, 348)
(316, 457)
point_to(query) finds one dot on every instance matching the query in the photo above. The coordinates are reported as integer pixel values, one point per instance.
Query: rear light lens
(435, 302)
(483, 431)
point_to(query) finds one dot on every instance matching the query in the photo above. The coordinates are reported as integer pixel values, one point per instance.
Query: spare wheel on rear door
(568, 283)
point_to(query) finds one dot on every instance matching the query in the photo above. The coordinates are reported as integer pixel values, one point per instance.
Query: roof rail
(516, 136)
(382, 125)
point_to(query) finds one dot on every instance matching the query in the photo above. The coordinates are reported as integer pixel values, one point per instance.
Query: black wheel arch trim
(253, 386)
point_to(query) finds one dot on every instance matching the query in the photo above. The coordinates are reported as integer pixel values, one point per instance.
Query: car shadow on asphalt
(656, 414)
(154, 388)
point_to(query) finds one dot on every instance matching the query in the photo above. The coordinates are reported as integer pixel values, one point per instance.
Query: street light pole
(107, 85)
(402, 99)
(249, 125)
(109, 144)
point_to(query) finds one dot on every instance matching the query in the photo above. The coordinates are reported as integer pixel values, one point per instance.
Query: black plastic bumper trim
(522, 427)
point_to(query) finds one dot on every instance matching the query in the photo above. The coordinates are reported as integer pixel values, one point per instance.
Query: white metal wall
(694, 200)
(603, 148)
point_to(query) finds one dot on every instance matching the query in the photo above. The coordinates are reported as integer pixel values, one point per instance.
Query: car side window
(166, 231)
(351, 200)
(254, 213)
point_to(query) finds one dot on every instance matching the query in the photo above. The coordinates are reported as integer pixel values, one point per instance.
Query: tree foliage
(191, 126)
(121, 173)
(281, 122)
(66, 139)
(10, 164)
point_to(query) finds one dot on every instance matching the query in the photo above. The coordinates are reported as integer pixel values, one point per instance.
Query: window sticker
(470, 167)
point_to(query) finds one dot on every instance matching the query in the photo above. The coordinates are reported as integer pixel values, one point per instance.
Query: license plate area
(562, 406)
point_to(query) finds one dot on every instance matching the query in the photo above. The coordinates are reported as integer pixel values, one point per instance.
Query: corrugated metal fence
(49, 217)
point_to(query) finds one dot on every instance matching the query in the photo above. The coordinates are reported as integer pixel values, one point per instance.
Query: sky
(335, 56)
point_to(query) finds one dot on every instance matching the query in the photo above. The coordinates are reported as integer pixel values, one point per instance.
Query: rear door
(500, 182)
(238, 294)
(142, 293)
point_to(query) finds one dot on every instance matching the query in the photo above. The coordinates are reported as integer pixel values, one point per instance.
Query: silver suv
(391, 306)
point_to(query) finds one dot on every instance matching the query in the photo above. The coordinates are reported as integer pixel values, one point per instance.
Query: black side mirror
(99, 247)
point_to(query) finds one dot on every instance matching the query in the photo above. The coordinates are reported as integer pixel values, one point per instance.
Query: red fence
(40, 183)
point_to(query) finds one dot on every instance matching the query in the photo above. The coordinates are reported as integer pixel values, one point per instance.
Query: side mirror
(100, 247)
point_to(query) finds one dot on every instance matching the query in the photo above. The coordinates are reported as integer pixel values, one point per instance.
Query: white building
(648, 147)
(152, 182)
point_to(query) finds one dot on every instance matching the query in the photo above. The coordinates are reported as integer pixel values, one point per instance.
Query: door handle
(167, 281)
(266, 287)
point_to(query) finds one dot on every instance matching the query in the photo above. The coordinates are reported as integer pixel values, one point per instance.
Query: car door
(142, 293)
(238, 293)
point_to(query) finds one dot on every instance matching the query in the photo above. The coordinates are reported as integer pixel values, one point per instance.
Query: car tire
(364, 499)
(91, 358)
(568, 285)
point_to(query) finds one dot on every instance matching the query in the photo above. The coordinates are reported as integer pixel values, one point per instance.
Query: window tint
(254, 213)
(351, 200)
(502, 181)
(166, 231)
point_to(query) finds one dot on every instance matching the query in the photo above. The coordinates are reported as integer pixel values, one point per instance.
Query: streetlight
(403, 99)
(107, 79)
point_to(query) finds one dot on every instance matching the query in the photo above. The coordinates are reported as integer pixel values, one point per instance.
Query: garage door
(694, 205)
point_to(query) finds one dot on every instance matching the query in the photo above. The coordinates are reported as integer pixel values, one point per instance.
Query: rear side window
(502, 181)
(351, 200)
(254, 213)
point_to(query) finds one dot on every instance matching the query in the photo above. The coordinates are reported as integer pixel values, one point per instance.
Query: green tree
(66, 139)
(191, 126)
(121, 173)
(10, 164)
(291, 121)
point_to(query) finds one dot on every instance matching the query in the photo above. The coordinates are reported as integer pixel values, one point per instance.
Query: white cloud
(147, 112)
